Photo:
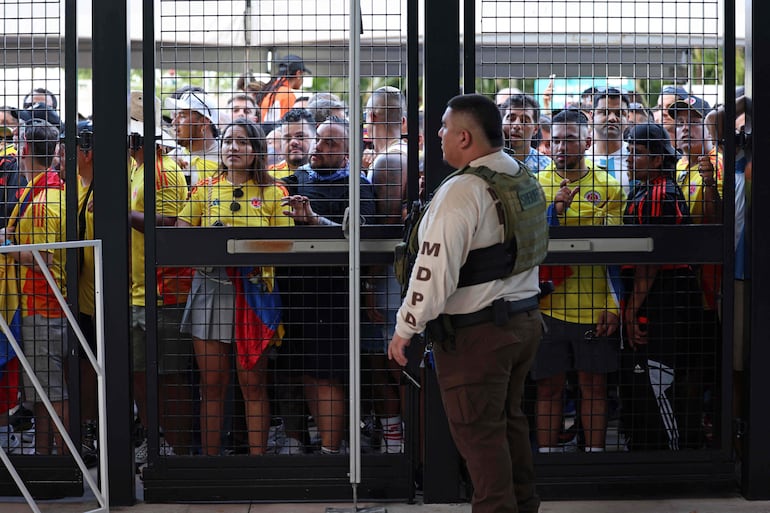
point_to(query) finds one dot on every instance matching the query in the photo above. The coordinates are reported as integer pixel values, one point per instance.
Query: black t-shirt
(659, 201)
(329, 197)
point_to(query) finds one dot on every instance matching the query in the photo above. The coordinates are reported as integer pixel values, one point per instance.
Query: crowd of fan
(274, 157)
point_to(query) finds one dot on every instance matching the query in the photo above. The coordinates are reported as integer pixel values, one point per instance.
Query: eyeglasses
(235, 206)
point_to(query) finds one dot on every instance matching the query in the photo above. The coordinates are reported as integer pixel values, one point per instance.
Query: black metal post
(728, 280)
(110, 79)
(469, 46)
(71, 165)
(148, 86)
(412, 99)
(442, 75)
(755, 468)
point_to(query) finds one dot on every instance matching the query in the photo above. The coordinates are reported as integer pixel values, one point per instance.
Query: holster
(440, 331)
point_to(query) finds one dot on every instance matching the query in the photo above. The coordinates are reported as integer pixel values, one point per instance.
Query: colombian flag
(257, 312)
(11, 312)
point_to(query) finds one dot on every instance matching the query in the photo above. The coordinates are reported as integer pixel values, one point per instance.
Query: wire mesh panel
(607, 103)
(33, 211)
(256, 131)
(34, 208)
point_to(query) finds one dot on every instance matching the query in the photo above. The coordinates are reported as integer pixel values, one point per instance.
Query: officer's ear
(466, 138)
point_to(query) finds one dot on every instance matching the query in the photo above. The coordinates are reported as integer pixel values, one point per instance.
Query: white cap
(201, 103)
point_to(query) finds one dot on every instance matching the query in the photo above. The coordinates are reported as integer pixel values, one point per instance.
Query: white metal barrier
(96, 361)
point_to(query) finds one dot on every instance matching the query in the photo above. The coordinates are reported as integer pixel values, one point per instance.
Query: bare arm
(389, 181)
(25, 258)
(136, 219)
(644, 277)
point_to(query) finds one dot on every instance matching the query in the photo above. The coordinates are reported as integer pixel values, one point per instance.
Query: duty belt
(498, 312)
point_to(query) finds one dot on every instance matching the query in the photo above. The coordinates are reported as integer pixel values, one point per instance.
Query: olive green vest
(521, 208)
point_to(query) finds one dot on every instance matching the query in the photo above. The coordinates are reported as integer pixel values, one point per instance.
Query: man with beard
(297, 135)
(521, 113)
(582, 312)
(319, 295)
(608, 150)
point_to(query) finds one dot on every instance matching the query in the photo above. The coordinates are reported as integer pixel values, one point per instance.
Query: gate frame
(611, 474)
(755, 469)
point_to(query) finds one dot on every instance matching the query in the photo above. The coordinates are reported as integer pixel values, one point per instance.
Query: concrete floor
(87, 503)
(720, 505)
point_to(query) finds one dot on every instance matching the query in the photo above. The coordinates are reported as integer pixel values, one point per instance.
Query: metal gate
(556, 52)
(484, 46)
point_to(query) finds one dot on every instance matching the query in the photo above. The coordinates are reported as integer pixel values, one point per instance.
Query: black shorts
(565, 347)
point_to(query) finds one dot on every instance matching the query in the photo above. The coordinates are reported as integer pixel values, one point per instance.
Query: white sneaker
(140, 453)
(165, 448)
(291, 446)
(9, 441)
(276, 436)
(569, 446)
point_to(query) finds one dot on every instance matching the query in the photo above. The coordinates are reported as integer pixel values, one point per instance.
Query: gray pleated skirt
(209, 312)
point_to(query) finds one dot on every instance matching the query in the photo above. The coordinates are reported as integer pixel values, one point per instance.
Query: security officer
(486, 334)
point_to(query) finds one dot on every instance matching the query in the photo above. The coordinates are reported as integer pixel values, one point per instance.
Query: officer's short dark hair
(484, 112)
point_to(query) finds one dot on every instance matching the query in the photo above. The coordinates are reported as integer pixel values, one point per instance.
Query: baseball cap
(290, 64)
(136, 112)
(675, 90)
(695, 103)
(196, 101)
(83, 128)
(655, 138)
(39, 110)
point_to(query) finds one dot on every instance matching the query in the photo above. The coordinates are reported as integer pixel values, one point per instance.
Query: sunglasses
(235, 206)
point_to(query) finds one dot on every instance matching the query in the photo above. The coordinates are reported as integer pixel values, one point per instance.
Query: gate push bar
(593, 245)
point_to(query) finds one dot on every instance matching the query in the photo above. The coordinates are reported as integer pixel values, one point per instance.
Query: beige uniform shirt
(461, 217)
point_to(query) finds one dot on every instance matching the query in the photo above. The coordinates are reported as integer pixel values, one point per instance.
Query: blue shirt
(536, 161)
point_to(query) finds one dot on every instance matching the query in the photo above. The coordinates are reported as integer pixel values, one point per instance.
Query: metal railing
(96, 361)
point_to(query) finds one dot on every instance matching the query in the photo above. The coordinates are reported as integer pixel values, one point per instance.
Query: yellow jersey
(586, 291)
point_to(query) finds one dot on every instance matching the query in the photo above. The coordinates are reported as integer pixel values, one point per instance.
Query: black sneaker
(89, 445)
(22, 419)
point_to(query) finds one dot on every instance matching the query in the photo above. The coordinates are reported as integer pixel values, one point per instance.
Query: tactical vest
(521, 208)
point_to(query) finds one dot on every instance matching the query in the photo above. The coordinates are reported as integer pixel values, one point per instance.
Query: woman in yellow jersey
(241, 194)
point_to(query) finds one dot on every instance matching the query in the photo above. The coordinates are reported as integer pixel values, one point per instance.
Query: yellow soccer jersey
(217, 202)
(280, 170)
(203, 168)
(690, 181)
(170, 197)
(86, 279)
(587, 291)
(43, 222)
